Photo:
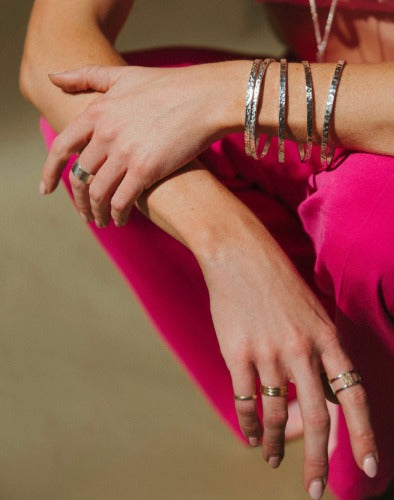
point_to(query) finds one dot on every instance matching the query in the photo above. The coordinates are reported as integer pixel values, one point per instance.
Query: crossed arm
(250, 280)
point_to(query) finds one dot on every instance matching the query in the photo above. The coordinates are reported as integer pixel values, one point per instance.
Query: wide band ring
(81, 174)
(252, 397)
(347, 379)
(267, 390)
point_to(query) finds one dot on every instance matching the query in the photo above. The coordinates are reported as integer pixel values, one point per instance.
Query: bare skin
(247, 273)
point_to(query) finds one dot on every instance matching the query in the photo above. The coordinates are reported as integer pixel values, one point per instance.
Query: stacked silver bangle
(256, 78)
(252, 99)
(325, 156)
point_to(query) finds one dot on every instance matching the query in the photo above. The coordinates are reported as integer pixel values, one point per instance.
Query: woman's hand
(148, 123)
(270, 325)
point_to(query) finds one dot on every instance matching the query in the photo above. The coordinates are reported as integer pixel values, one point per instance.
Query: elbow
(26, 78)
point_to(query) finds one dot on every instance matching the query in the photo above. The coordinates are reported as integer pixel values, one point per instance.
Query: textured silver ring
(81, 174)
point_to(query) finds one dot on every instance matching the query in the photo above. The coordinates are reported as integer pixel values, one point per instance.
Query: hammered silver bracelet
(305, 154)
(325, 155)
(282, 110)
(252, 100)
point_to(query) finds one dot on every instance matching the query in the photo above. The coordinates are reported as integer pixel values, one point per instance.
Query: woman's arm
(267, 320)
(364, 109)
(64, 35)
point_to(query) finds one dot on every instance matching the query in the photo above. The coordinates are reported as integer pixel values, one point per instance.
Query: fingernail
(316, 489)
(370, 465)
(84, 217)
(253, 440)
(98, 224)
(55, 73)
(42, 188)
(274, 461)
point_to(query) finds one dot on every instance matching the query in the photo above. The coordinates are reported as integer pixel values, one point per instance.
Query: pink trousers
(337, 227)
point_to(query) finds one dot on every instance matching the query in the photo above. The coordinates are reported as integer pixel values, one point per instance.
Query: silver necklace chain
(322, 42)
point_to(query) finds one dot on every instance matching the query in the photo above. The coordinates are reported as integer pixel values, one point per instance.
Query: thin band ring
(81, 174)
(252, 397)
(267, 390)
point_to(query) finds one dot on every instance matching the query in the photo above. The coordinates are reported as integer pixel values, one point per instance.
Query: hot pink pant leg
(338, 229)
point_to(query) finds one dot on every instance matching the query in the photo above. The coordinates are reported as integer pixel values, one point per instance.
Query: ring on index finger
(81, 174)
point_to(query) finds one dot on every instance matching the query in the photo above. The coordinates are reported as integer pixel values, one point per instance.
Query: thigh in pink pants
(336, 226)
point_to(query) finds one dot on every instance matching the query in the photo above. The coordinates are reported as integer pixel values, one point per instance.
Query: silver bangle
(249, 99)
(282, 110)
(306, 154)
(252, 100)
(325, 155)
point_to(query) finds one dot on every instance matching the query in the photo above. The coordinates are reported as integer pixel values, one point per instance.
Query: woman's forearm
(65, 35)
(199, 211)
(363, 114)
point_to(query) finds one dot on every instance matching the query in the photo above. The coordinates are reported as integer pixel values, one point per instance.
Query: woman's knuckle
(96, 196)
(319, 420)
(356, 396)
(119, 206)
(246, 409)
(276, 419)
(94, 109)
(317, 462)
(59, 147)
(300, 347)
(106, 133)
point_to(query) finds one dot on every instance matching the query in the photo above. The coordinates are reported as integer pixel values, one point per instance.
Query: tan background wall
(92, 404)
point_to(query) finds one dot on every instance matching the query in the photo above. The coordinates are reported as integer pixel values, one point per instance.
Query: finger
(70, 141)
(355, 408)
(274, 417)
(125, 196)
(90, 160)
(294, 427)
(316, 422)
(244, 384)
(90, 77)
(102, 189)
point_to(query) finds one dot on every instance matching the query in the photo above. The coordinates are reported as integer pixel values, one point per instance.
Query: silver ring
(344, 381)
(81, 174)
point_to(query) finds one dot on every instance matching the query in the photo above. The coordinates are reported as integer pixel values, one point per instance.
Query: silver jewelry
(282, 110)
(249, 99)
(325, 156)
(322, 42)
(306, 154)
(81, 174)
(347, 379)
(252, 99)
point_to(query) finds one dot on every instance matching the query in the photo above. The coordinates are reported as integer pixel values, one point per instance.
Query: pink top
(377, 5)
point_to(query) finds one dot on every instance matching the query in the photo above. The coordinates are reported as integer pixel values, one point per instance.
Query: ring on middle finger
(81, 174)
(268, 390)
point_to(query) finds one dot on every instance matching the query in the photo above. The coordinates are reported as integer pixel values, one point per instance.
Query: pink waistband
(374, 5)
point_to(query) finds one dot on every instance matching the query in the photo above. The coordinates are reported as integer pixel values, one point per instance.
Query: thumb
(92, 77)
